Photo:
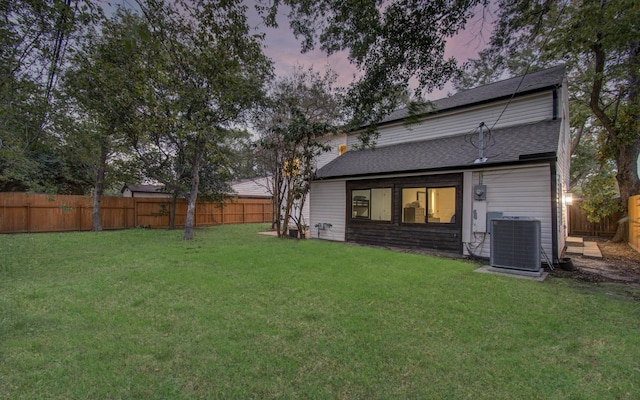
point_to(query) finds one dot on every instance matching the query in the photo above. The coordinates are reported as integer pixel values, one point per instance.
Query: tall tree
(217, 69)
(101, 93)
(35, 39)
(599, 42)
(302, 109)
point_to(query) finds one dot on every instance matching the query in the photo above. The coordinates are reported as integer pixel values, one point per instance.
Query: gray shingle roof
(144, 188)
(504, 145)
(532, 82)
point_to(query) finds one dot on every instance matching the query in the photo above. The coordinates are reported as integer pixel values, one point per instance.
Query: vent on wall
(515, 243)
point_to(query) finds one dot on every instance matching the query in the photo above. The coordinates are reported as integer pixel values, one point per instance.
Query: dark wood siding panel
(441, 237)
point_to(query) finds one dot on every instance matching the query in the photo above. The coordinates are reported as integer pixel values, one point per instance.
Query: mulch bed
(619, 263)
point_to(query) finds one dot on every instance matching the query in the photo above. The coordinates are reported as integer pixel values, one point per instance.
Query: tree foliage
(102, 89)
(598, 41)
(215, 71)
(302, 111)
(600, 200)
(392, 43)
(35, 39)
(155, 92)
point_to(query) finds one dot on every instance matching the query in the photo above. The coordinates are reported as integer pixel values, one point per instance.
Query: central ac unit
(515, 243)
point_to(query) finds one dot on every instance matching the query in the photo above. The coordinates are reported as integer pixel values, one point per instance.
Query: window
(342, 149)
(371, 204)
(422, 205)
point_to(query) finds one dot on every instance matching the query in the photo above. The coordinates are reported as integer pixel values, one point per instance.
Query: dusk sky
(284, 49)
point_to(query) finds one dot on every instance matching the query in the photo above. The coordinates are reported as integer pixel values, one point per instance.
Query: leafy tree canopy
(294, 128)
(598, 41)
(392, 43)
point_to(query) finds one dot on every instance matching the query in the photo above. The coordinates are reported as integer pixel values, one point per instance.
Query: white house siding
(334, 141)
(516, 192)
(521, 110)
(328, 205)
(306, 210)
(323, 159)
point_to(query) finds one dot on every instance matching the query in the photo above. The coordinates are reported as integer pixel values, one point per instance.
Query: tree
(393, 43)
(217, 70)
(600, 196)
(303, 108)
(598, 40)
(35, 39)
(167, 160)
(101, 93)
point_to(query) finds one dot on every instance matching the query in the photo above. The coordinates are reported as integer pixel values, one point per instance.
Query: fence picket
(28, 212)
(580, 225)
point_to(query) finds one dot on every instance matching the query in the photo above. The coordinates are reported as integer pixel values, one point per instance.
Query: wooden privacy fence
(26, 212)
(634, 222)
(580, 225)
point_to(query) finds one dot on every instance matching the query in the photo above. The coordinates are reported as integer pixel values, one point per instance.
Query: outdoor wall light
(568, 198)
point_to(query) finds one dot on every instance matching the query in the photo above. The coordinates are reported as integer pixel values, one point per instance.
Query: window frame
(370, 204)
(425, 189)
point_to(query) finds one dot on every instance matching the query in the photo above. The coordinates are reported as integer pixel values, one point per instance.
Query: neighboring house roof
(505, 145)
(254, 187)
(529, 83)
(144, 188)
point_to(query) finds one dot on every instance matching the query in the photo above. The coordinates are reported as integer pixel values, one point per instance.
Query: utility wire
(544, 44)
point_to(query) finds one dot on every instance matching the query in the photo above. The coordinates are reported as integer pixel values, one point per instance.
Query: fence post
(79, 217)
(28, 217)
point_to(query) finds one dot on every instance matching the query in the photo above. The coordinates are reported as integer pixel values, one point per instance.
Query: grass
(236, 315)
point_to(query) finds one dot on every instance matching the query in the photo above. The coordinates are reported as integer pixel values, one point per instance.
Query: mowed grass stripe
(234, 314)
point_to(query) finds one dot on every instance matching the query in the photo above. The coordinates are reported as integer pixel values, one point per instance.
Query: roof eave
(476, 103)
(543, 158)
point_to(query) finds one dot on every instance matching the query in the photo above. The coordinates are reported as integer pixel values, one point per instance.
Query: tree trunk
(288, 204)
(628, 182)
(625, 138)
(172, 212)
(98, 189)
(278, 200)
(628, 153)
(193, 195)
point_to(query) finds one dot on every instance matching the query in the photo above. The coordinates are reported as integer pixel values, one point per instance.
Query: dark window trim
(426, 187)
(368, 219)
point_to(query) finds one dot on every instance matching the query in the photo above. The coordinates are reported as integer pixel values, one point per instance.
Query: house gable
(497, 105)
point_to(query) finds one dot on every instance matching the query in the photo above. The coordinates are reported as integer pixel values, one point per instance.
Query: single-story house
(498, 150)
(252, 188)
(156, 191)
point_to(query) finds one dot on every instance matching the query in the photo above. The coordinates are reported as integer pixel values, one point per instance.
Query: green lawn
(236, 315)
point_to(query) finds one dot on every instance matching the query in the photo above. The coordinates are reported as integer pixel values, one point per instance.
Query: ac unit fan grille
(515, 243)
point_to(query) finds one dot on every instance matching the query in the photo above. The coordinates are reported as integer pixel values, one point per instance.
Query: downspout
(555, 256)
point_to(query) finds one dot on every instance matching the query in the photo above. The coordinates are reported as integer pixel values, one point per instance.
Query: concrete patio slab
(591, 249)
(573, 241)
(487, 269)
(574, 250)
